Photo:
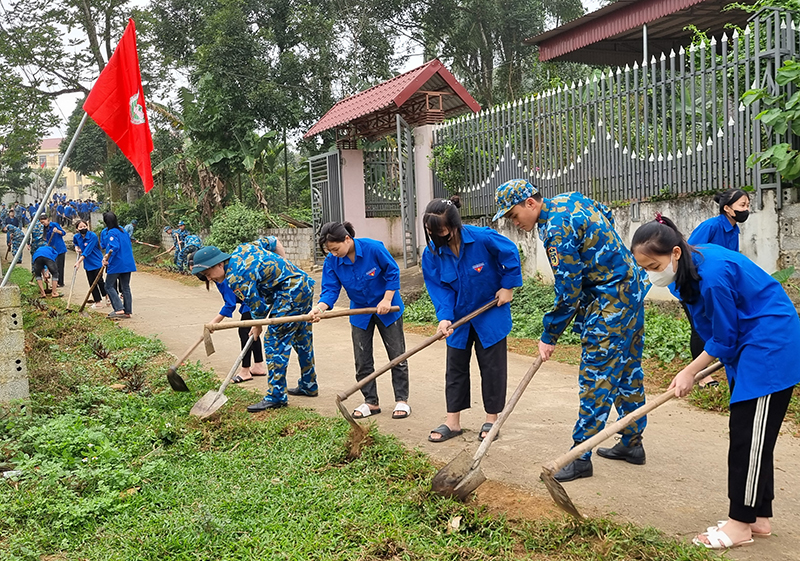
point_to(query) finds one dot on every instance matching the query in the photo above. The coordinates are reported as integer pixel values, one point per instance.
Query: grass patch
(163, 266)
(666, 343)
(126, 474)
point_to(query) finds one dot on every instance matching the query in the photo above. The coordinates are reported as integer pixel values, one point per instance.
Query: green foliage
(782, 116)
(447, 162)
(235, 225)
(666, 336)
(783, 275)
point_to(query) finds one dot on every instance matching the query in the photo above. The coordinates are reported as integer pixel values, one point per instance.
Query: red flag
(116, 104)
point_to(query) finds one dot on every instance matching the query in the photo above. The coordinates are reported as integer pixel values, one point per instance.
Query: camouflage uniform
(272, 286)
(597, 281)
(37, 237)
(176, 253)
(191, 243)
(17, 235)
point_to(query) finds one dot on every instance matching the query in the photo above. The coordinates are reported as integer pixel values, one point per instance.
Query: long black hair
(335, 232)
(110, 220)
(658, 238)
(728, 197)
(441, 214)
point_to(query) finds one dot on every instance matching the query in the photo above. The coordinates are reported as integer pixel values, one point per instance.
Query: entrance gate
(327, 204)
(408, 195)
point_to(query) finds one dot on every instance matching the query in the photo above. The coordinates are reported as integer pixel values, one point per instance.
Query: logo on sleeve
(478, 267)
(239, 294)
(552, 253)
(371, 272)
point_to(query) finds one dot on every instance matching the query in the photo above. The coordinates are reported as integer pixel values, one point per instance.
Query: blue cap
(510, 194)
(134, 221)
(207, 257)
(167, 228)
(181, 223)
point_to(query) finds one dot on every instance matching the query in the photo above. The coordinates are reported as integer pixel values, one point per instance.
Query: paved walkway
(681, 489)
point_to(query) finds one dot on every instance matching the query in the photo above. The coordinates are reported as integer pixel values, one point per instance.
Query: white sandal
(402, 408)
(365, 411)
(718, 539)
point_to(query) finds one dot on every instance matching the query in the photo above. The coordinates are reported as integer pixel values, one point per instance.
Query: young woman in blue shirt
(87, 245)
(465, 267)
(722, 230)
(749, 323)
(120, 265)
(371, 278)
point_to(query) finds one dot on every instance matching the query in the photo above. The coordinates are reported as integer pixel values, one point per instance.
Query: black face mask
(740, 215)
(440, 241)
(82, 231)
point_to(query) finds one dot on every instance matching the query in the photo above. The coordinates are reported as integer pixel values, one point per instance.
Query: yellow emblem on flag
(552, 253)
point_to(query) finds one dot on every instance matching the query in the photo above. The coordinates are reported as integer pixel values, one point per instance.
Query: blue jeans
(124, 286)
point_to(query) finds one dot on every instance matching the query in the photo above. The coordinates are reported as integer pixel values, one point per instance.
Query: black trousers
(395, 344)
(754, 426)
(99, 291)
(493, 364)
(60, 264)
(40, 263)
(256, 352)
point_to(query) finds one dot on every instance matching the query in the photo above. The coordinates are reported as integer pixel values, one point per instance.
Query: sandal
(238, 379)
(401, 411)
(711, 384)
(717, 539)
(721, 523)
(364, 410)
(446, 433)
(485, 428)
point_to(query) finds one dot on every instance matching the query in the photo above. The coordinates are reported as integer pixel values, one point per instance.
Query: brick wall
(298, 242)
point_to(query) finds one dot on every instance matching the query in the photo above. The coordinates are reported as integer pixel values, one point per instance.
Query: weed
(97, 346)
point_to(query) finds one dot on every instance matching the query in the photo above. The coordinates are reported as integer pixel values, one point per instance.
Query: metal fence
(381, 182)
(672, 126)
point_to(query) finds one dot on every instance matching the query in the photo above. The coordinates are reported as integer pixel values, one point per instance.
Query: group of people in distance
(739, 314)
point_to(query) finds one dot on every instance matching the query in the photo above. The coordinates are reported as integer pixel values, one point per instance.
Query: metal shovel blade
(208, 342)
(175, 381)
(459, 478)
(208, 404)
(358, 434)
(447, 479)
(558, 493)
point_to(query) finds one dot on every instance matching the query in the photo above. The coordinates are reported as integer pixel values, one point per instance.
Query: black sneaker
(300, 391)
(633, 454)
(575, 470)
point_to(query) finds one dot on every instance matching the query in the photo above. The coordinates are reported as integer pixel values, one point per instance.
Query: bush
(236, 224)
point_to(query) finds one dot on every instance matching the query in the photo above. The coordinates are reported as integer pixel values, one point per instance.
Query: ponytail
(658, 238)
(727, 198)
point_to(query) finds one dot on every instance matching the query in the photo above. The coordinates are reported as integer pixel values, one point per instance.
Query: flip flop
(485, 428)
(258, 373)
(363, 411)
(401, 411)
(446, 433)
(719, 540)
(238, 379)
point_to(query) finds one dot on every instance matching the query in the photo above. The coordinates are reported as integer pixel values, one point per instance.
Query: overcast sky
(65, 104)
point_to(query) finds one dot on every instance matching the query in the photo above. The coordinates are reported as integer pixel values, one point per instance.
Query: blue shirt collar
(726, 224)
(466, 237)
(344, 260)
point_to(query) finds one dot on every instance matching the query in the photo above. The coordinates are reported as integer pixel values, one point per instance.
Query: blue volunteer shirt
(717, 230)
(121, 258)
(486, 262)
(365, 280)
(230, 300)
(45, 251)
(747, 321)
(89, 246)
(54, 236)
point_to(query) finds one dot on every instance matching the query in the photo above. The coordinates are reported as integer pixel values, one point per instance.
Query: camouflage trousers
(281, 339)
(611, 368)
(182, 257)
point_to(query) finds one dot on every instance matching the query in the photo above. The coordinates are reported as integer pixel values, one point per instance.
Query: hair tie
(659, 218)
(447, 201)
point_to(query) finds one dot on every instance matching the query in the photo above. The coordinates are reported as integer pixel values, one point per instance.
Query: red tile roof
(50, 143)
(394, 91)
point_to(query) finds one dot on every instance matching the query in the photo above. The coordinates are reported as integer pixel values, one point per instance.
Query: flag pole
(45, 199)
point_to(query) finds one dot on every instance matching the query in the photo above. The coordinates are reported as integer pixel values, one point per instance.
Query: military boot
(633, 454)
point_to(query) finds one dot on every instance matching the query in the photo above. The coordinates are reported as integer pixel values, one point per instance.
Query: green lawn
(126, 474)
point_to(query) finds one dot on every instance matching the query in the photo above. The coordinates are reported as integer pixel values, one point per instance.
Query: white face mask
(662, 278)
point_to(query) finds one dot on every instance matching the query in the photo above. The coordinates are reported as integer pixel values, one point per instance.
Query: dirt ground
(681, 490)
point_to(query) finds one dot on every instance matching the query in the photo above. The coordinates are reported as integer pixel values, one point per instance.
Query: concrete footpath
(681, 490)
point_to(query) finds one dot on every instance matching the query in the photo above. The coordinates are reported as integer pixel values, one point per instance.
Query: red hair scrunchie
(659, 219)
